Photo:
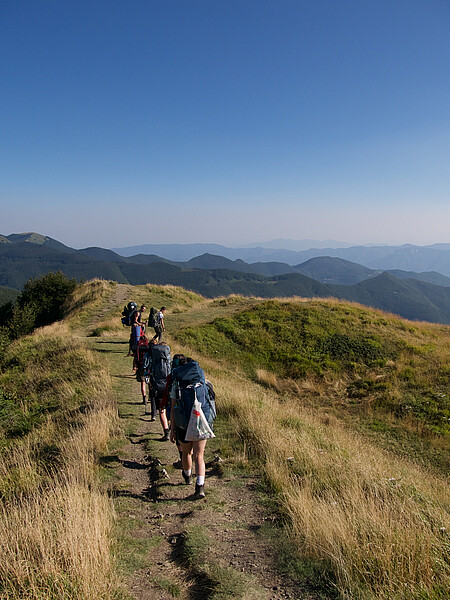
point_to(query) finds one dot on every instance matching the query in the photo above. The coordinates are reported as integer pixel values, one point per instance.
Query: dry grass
(55, 524)
(89, 293)
(380, 523)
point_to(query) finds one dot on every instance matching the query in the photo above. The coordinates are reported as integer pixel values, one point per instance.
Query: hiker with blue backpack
(177, 360)
(157, 366)
(192, 416)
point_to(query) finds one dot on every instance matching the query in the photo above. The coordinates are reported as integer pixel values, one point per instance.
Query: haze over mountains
(422, 294)
(407, 257)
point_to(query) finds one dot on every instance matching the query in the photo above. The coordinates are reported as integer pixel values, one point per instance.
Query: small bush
(47, 296)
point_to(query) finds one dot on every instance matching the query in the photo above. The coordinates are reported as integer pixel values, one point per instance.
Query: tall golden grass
(379, 523)
(55, 523)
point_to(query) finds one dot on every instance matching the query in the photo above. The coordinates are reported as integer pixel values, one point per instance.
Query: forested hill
(25, 256)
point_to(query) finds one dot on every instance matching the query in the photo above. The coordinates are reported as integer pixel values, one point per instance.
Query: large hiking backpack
(160, 366)
(191, 384)
(128, 312)
(153, 317)
(141, 350)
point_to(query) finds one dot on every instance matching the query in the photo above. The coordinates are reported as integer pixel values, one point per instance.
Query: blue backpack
(160, 366)
(190, 384)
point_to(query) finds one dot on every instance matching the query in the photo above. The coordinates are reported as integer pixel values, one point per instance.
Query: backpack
(160, 366)
(211, 398)
(135, 336)
(128, 311)
(153, 317)
(191, 384)
(141, 351)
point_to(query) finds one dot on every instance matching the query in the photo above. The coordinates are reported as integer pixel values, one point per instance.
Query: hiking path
(156, 510)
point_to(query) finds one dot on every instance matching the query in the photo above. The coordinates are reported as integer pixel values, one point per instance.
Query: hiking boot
(187, 478)
(199, 491)
(165, 437)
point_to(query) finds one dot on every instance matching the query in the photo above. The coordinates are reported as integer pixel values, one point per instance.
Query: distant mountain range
(382, 258)
(424, 296)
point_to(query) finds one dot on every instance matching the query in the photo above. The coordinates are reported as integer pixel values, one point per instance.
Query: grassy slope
(377, 520)
(56, 415)
(288, 375)
(381, 373)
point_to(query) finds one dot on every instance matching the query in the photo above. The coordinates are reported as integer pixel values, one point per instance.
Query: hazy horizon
(276, 244)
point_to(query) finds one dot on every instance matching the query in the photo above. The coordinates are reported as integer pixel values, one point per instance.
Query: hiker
(159, 324)
(188, 385)
(166, 402)
(137, 319)
(159, 371)
(142, 375)
(137, 328)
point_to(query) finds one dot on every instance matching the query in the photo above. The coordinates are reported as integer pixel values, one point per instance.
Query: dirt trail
(155, 507)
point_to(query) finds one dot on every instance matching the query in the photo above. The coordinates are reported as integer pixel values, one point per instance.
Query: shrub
(47, 295)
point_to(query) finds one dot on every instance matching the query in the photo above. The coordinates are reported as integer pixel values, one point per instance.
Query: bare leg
(163, 419)
(186, 457)
(199, 451)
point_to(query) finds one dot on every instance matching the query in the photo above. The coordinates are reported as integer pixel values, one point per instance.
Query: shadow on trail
(150, 493)
(202, 586)
(105, 351)
(132, 464)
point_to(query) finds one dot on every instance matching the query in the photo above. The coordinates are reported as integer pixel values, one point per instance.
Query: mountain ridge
(27, 256)
(407, 257)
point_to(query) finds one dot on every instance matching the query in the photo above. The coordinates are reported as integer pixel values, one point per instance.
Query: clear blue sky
(234, 121)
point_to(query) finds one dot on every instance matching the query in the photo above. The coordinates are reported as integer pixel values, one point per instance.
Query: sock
(200, 480)
(188, 472)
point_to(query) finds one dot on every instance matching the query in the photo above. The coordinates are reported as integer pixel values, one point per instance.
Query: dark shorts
(157, 396)
(141, 377)
(180, 435)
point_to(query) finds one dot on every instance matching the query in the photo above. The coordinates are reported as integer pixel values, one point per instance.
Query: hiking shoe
(152, 417)
(199, 491)
(177, 464)
(165, 437)
(187, 478)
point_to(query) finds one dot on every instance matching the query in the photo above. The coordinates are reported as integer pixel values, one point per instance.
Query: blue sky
(231, 121)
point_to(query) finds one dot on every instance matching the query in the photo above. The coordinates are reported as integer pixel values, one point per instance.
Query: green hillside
(7, 295)
(391, 376)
